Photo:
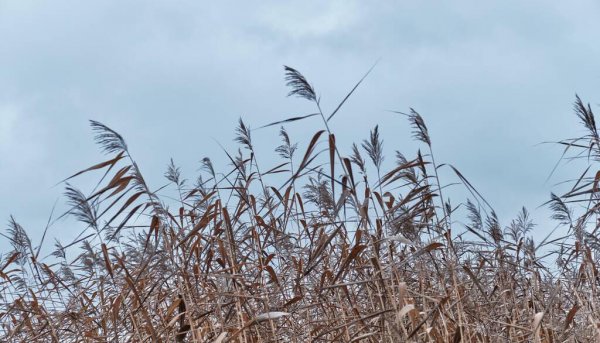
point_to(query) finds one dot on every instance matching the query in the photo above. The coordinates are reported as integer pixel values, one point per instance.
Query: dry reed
(336, 253)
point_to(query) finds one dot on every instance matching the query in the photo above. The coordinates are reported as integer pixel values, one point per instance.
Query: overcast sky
(491, 80)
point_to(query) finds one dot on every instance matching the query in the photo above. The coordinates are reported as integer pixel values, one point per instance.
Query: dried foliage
(241, 256)
(374, 147)
(300, 86)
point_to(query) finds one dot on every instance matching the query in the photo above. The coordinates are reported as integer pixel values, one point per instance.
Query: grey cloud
(491, 80)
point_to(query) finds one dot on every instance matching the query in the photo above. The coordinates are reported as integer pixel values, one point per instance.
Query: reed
(319, 247)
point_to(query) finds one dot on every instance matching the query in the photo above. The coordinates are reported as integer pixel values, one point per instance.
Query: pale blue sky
(491, 81)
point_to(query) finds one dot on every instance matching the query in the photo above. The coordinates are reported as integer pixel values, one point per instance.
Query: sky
(492, 80)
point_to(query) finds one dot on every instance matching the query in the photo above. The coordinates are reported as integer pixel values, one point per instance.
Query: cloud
(491, 79)
(311, 20)
(9, 116)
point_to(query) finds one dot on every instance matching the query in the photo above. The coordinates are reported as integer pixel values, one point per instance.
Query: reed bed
(320, 247)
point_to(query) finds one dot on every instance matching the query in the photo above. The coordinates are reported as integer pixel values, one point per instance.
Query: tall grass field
(320, 246)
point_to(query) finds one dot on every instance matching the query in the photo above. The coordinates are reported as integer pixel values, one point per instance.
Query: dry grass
(341, 251)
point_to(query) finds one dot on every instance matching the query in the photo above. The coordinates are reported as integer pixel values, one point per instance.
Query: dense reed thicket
(321, 247)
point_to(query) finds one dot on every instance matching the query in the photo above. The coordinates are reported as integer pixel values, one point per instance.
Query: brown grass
(341, 251)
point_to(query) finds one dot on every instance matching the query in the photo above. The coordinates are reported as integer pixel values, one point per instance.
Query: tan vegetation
(340, 251)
